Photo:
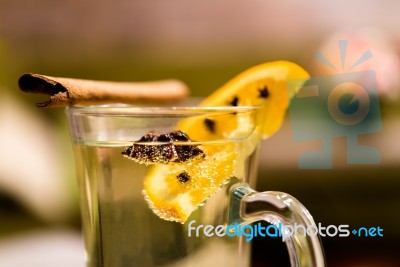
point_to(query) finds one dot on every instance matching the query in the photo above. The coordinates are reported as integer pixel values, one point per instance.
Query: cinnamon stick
(69, 91)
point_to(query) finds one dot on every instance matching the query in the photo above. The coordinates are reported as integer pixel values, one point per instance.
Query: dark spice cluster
(166, 151)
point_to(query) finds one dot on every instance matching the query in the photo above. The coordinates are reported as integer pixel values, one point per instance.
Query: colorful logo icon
(327, 107)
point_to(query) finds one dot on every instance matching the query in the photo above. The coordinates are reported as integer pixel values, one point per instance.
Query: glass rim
(154, 109)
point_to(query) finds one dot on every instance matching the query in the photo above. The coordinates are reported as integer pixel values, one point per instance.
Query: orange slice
(271, 84)
(175, 190)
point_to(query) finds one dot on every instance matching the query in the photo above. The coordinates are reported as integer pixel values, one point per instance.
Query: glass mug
(120, 230)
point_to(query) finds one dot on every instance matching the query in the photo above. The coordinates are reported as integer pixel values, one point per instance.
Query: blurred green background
(204, 44)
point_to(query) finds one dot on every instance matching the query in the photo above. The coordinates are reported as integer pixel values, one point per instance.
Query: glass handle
(281, 210)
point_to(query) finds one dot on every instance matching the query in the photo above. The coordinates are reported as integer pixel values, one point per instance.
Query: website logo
(284, 232)
(327, 107)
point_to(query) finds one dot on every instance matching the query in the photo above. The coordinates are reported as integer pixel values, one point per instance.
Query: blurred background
(203, 43)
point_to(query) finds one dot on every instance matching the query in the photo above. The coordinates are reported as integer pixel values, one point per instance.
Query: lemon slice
(175, 190)
(270, 84)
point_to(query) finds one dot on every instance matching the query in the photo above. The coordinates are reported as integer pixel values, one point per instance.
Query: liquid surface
(121, 229)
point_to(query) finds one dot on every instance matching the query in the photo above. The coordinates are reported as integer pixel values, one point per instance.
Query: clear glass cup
(120, 229)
